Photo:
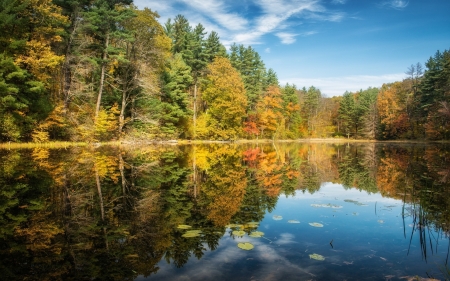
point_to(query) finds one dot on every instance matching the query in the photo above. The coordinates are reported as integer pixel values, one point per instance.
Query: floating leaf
(245, 246)
(191, 234)
(277, 218)
(326, 206)
(317, 257)
(380, 221)
(293, 221)
(316, 224)
(256, 234)
(184, 226)
(252, 224)
(194, 231)
(232, 225)
(238, 233)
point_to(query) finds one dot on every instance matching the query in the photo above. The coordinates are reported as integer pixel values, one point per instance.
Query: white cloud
(233, 23)
(396, 4)
(154, 5)
(267, 50)
(308, 33)
(218, 11)
(339, 1)
(286, 38)
(336, 86)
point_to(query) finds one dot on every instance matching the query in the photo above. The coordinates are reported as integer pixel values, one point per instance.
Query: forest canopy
(99, 70)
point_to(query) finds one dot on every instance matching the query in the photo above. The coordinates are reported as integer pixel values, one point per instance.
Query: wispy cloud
(219, 12)
(336, 86)
(286, 38)
(237, 24)
(339, 1)
(267, 50)
(396, 4)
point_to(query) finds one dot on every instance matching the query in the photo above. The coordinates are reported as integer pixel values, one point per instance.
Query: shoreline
(63, 144)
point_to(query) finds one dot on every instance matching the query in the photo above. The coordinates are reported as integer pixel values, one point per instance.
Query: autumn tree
(269, 112)
(224, 95)
(392, 110)
(28, 64)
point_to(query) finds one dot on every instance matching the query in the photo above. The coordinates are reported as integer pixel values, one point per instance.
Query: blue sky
(335, 45)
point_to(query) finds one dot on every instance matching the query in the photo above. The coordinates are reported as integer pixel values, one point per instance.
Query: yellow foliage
(224, 94)
(39, 234)
(106, 123)
(54, 120)
(47, 24)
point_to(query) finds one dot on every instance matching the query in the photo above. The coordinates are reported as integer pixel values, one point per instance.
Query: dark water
(326, 212)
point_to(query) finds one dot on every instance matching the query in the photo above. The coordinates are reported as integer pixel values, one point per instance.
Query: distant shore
(191, 142)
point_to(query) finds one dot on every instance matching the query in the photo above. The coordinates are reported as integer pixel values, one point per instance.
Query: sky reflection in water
(369, 241)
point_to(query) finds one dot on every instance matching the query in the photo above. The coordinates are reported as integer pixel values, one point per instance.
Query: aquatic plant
(184, 226)
(256, 234)
(238, 232)
(317, 257)
(246, 246)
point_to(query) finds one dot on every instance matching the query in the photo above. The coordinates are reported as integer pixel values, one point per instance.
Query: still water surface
(324, 212)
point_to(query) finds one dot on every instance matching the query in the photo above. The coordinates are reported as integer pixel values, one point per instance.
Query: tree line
(99, 70)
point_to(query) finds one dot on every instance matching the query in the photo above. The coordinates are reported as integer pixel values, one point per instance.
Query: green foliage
(21, 101)
(174, 110)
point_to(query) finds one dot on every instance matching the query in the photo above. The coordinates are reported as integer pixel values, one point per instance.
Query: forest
(102, 70)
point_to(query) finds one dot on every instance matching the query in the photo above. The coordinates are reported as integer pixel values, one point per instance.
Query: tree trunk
(102, 76)
(195, 106)
(122, 111)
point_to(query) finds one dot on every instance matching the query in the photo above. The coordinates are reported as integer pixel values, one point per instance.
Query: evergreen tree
(291, 109)
(103, 23)
(213, 47)
(347, 110)
(270, 78)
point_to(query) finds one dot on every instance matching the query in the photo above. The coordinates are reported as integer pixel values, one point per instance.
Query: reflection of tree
(52, 215)
(225, 184)
(355, 165)
(316, 166)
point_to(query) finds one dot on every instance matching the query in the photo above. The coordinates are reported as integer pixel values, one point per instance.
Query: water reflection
(113, 213)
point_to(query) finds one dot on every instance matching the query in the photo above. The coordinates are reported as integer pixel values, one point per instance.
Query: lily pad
(232, 225)
(238, 233)
(184, 226)
(293, 221)
(191, 234)
(250, 226)
(194, 231)
(245, 246)
(316, 224)
(317, 257)
(277, 218)
(256, 234)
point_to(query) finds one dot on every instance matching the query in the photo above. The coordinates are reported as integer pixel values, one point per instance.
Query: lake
(303, 211)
